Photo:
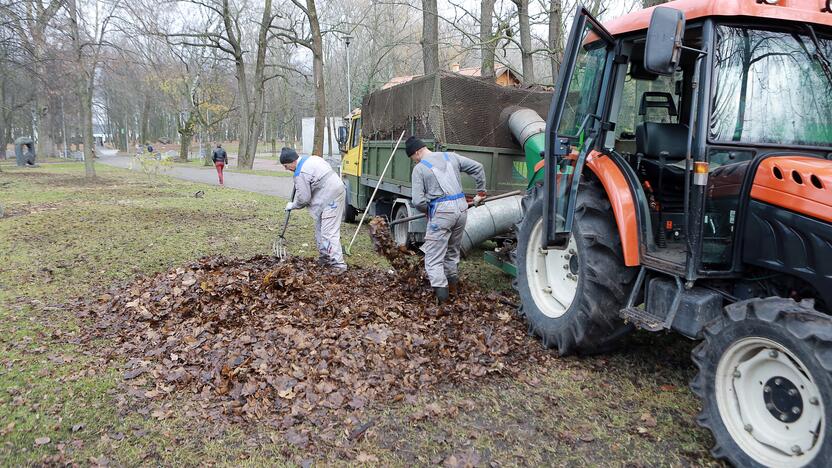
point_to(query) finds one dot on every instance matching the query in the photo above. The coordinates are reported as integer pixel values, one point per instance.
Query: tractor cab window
(772, 87)
(584, 90)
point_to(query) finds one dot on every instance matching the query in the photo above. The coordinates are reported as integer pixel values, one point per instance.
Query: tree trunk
(145, 118)
(185, 139)
(43, 144)
(430, 36)
(85, 102)
(242, 84)
(525, 41)
(84, 86)
(318, 76)
(555, 37)
(4, 122)
(186, 134)
(329, 126)
(487, 38)
(255, 127)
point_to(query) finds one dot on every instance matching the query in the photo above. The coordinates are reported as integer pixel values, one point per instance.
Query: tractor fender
(622, 201)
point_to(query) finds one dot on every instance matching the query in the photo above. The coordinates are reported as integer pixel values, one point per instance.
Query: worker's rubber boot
(441, 295)
(453, 285)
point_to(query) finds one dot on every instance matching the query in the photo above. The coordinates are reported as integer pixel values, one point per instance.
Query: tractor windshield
(772, 87)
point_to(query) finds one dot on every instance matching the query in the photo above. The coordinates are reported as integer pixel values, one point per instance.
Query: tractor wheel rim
(552, 274)
(769, 403)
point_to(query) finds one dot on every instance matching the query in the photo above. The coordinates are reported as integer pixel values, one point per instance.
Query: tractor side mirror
(664, 41)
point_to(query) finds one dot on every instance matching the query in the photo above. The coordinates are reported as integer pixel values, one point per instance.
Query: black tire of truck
(590, 324)
(804, 338)
(349, 214)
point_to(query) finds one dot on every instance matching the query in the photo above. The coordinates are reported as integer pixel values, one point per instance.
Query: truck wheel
(765, 381)
(400, 231)
(571, 297)
(349, 214)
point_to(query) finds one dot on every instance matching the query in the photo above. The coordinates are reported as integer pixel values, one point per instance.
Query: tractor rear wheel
(765, 381)
(571, 298)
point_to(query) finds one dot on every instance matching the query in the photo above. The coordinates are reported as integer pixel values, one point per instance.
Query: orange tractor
(687, 186)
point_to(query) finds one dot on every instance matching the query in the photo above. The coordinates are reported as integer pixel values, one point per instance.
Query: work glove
(290, 206)
(479, 198)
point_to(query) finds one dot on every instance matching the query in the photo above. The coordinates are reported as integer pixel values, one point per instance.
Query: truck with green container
(500, 127)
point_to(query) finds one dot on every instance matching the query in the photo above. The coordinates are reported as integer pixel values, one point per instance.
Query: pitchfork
(279, 245)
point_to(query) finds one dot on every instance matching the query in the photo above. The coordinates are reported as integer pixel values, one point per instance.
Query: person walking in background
(320, 189)
(220, 158)
(437, 190)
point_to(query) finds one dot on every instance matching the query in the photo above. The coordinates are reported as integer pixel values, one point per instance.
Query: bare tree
(87, 47)
(315, 43)
(251, 121)
(526, 51)
(229, 37)
(555, 36)
(317, 76)
(30, 18)
(430, 36)
(488, 40)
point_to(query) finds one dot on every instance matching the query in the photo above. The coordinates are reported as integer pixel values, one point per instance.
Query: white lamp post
(347, 39)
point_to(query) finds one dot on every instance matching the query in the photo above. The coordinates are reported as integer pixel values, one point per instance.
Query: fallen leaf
(297, 438)
(366, 458)
(132, 374)
(466, 459)
(285, 344)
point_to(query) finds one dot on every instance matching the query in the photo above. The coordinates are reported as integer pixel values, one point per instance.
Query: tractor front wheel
(571, 298)
(765, 381)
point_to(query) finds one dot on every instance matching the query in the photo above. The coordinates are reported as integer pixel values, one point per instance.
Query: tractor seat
(660, 146)
(653, 139)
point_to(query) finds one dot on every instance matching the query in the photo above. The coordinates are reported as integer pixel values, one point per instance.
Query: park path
(268, 185)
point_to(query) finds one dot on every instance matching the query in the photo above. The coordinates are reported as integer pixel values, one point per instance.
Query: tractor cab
(687, 186)
(685, 130)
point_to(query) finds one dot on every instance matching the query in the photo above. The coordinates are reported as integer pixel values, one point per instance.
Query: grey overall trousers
(445, 224)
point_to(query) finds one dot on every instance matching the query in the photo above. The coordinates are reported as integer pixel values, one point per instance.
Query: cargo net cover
(449, 108)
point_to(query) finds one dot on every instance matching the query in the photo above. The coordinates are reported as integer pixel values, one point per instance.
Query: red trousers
(220, 167)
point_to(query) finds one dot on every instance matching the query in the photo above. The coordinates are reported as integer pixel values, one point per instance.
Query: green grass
(63, 237)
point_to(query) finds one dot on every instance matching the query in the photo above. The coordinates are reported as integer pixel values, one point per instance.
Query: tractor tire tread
(594, 325)
(800, 320)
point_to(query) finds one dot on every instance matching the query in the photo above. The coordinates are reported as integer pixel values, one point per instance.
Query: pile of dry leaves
(286, 343)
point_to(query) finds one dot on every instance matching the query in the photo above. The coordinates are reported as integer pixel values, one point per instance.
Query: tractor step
(642, 319)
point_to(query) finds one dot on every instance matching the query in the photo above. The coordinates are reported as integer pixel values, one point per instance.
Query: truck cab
(351, 156)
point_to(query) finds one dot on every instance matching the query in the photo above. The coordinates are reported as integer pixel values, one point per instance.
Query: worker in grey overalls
(437, 191)
(320, 189)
